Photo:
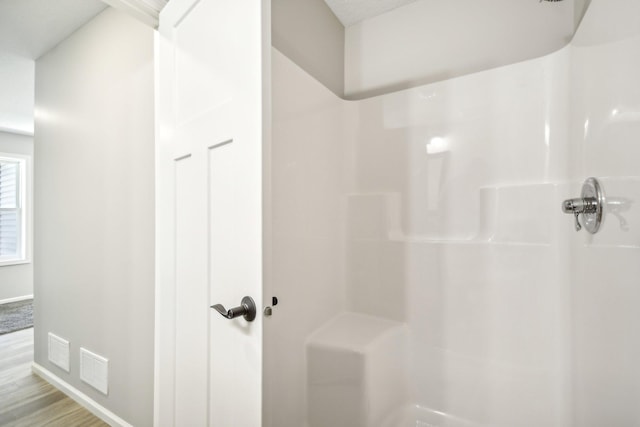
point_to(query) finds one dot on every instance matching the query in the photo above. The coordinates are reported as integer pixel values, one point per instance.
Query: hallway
(27, 400)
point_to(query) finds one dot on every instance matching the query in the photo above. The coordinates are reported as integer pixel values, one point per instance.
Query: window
(13, 218)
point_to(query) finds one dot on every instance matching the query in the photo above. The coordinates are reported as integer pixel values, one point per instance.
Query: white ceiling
(28, 29)
(350, 12)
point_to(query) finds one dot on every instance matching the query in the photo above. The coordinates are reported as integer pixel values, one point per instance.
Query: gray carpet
(15, 316)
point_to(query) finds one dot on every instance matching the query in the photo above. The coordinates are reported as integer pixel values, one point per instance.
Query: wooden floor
(26, 399)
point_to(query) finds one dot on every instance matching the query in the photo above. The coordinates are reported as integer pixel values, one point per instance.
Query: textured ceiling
(350, 12)
(29, 28)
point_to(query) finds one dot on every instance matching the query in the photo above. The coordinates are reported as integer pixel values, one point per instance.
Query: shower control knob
(590, 205)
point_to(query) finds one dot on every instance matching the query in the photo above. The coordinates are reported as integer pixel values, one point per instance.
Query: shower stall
(416, 267)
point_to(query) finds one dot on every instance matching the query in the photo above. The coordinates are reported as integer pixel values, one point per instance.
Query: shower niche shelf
(499, 214)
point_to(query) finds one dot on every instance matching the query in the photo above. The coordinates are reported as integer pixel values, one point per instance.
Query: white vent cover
(350, 12)
(59, 352)
(94, 370)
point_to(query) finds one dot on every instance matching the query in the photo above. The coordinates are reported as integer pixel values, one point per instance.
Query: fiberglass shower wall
(605, 131)
(421, 232)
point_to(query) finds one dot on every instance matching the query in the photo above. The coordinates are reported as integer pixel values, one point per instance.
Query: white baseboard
(92, 406)
(15, 299)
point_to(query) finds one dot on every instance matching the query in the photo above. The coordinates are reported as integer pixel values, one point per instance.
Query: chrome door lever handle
(246, 309)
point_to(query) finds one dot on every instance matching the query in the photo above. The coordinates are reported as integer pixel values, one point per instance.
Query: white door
(212, 57)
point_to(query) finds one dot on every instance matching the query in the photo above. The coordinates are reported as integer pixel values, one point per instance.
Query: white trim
(155, 4)
(92, 406)
(26, 206)
(157, 294)
(17, 261)
(15, 299)
(26, 132)
(146, 11)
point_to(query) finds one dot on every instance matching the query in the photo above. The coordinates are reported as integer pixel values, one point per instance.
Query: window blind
(10, 216)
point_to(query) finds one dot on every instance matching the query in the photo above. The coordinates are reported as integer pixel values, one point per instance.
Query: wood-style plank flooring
(28, 401)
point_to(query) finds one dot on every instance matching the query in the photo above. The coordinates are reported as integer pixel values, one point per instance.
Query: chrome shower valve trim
(590, 205)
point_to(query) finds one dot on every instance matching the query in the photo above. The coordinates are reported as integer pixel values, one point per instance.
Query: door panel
(209, 211)
(191, 324)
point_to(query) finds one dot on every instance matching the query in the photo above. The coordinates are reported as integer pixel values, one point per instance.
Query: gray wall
(16, 280)
(94, 198)
(309, 34)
